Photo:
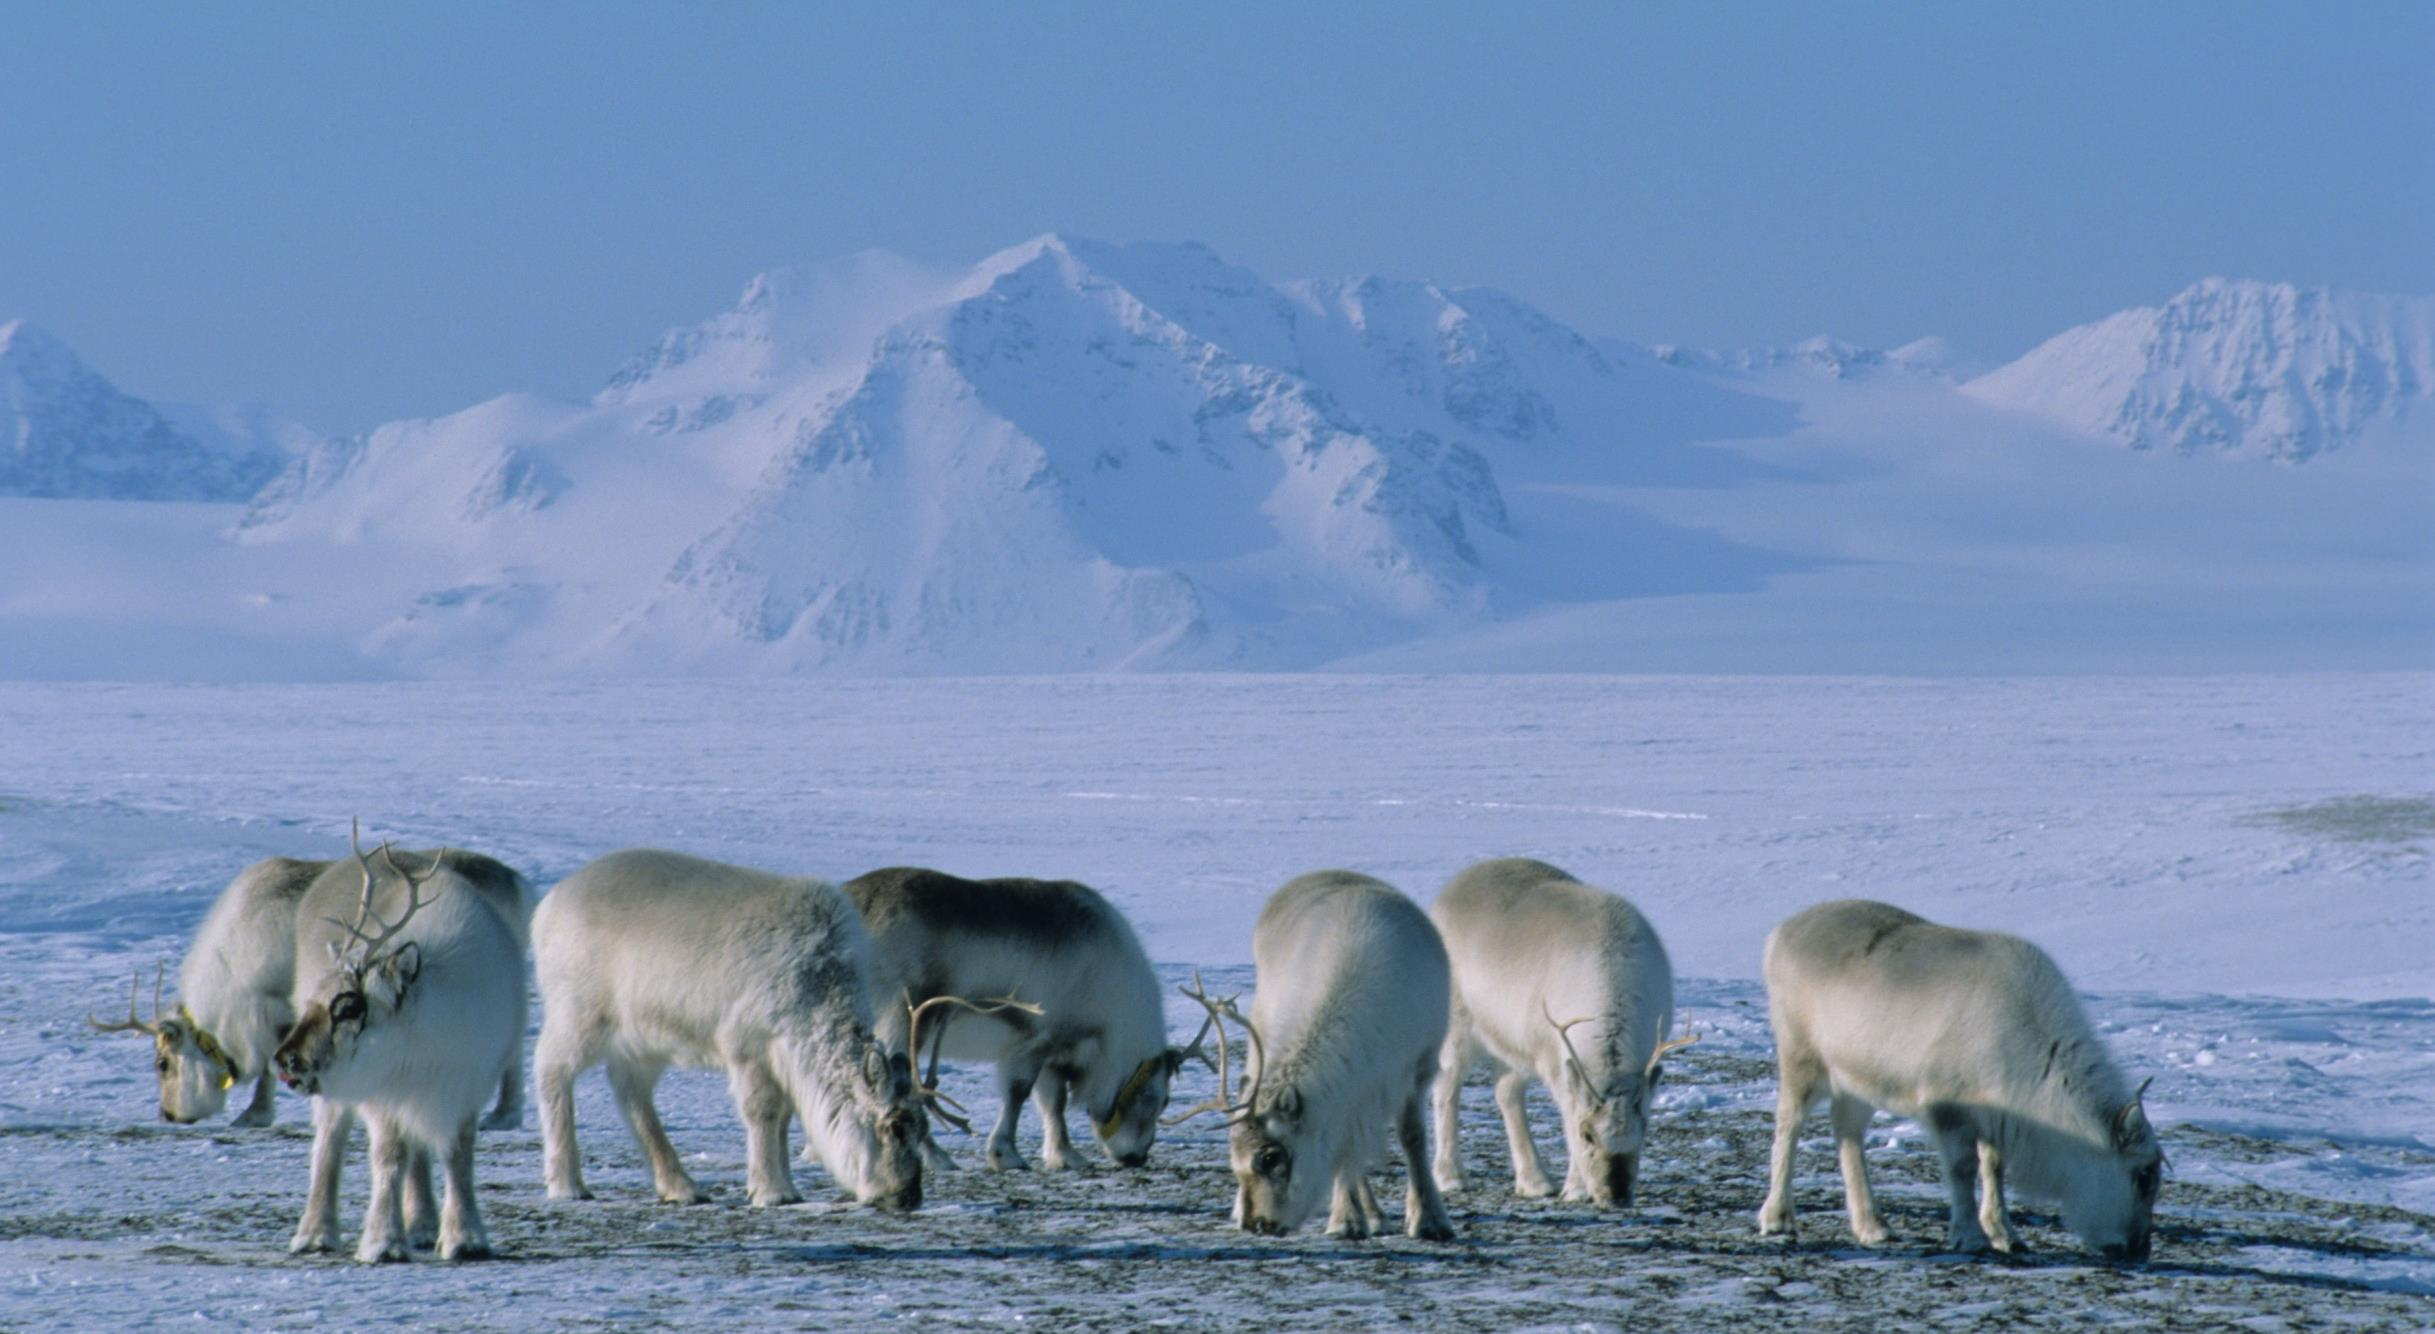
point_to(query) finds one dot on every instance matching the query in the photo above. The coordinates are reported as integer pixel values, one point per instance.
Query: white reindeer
(1528, 943)
(1095, 1030)
(410, 1002)
(234, 993)
(1348, 1015)
(1977, 1035)
(649, 958)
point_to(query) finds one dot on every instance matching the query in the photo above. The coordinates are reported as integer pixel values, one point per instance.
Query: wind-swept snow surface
(2236, 869)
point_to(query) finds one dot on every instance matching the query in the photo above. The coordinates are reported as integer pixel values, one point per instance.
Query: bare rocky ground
(153, 1224)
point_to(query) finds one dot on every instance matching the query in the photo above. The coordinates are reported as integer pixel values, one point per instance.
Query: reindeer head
(1281, 1167)
(890, 1125)
(351, 1015)
(2112, 1200)
(1128, 1125)
(195, 1073)
(1606, 1116)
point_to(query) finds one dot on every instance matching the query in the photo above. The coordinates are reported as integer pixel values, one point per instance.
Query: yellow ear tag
(227, 1082)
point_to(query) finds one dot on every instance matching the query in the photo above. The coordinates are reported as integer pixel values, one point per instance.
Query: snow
(65, 432)
(1076, 455)
(2235, 868)
(2262, 369)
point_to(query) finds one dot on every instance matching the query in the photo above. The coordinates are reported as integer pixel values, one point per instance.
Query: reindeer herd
(390, 988)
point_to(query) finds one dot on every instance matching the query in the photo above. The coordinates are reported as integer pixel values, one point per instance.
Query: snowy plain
(2234, 869)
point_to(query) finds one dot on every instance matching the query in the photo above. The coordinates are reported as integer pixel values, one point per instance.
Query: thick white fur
(1528, 942)
(1977, 1035)
(236, 986)
(1351, 1010)
(650, 958)
(1055, 944)
(446, 1015)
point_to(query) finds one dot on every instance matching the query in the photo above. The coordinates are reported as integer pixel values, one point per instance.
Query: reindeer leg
(1424, 1209)
(260, 1112)
(317, 1231)
(1018, 1070)
(384, 1236)
(563, 1053)
(508, 1112)
(1851, 1121)
(422, 1202)
(1796, 1088)
(1957, 1153)
(1346, 1219)
(1453, 1062)
(1529, 1172)
(764, 1106)
(1056, 1147)
(1992, 1218)
(632, 1082)
(462, 1235)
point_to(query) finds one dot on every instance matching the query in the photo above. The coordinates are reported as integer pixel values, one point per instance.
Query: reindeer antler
(371, 944)
(1564, 1035)
(1219, 1012)
(134, 1021)
(1670, 1044)
(940, 1102)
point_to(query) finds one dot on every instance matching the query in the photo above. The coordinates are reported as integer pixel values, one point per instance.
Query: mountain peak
(2234, 366)
(70, 434)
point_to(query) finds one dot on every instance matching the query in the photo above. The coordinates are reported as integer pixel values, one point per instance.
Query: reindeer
(1348, 1015)
(1055, 945)
(1976, 1034)
(1529, 942)
(649, 958)
(410, 1002)
(235, 986)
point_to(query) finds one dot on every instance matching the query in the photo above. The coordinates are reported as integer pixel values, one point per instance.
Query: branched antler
(939, 1102)
(135, 1022)
(369, 945)
(1219, 1012)
(1670, 1044)
(1563, 1034)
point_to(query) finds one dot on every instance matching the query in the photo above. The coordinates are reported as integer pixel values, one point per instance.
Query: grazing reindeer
(1348, 1015)
(1529, 942)
(1096, 1030)
(234, 992)
(409, 1004)
(649, 958)
(1977, 1035)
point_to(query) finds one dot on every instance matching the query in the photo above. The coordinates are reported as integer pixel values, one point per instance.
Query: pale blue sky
(357, 213)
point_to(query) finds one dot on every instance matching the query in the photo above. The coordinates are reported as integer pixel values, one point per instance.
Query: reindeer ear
(2132, 1119)
(875, 1068)
(1287, 1103)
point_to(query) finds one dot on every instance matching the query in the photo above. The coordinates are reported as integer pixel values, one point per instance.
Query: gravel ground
(1098, 1247)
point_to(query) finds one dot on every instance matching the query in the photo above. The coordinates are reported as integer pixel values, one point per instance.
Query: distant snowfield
(2236, 868)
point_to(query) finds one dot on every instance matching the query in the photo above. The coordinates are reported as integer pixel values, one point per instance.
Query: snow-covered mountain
(1072, 455)
(2264, 370)
(68, 433)
(1081, 456)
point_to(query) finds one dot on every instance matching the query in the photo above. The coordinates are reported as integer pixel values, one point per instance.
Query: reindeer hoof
(685, 1195)
(375, 1252)
(563, 1192)
(1533, 1190)
(253, 1119)
(1432, 1229)
(469, 1248)
(505, 1118)
(313, 1243)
